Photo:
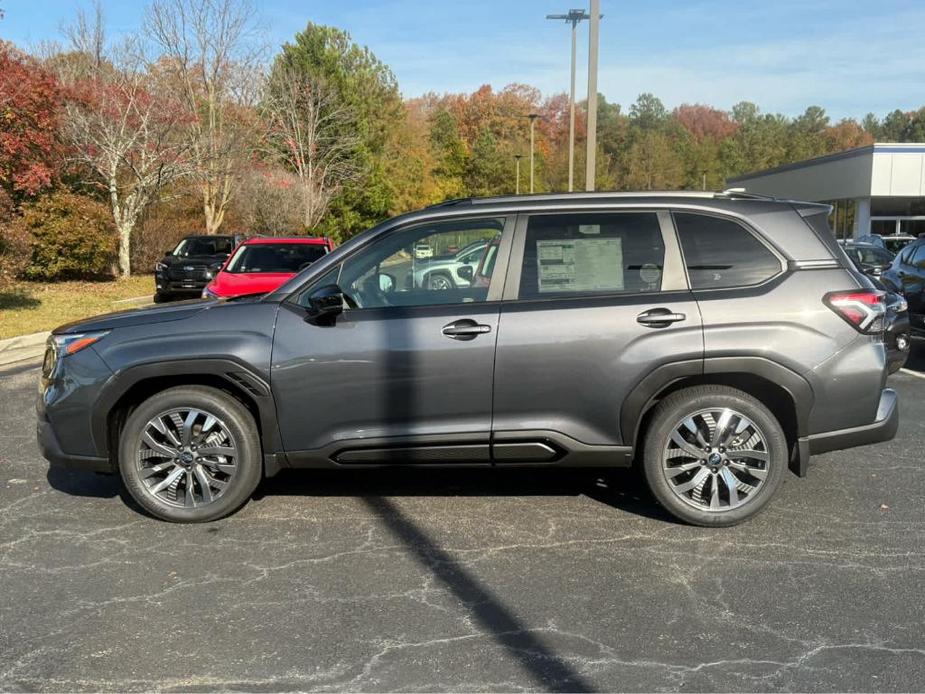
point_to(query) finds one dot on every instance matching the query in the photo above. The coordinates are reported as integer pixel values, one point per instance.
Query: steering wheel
(369, 294)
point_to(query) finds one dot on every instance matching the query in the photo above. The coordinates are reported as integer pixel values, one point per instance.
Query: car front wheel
(714, 456)
(190, 454)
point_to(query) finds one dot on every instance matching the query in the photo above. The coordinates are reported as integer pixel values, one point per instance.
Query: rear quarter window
(721, 253)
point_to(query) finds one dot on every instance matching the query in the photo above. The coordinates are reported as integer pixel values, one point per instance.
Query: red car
(260, 265)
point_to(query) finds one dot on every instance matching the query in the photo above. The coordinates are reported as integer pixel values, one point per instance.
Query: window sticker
(589, 229)
(580, 265)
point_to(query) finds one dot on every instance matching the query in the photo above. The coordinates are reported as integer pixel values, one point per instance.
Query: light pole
(517, 158)
(573, 17)
(594, 28)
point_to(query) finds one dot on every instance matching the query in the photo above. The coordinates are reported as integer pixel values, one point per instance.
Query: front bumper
(51, 451)
(882, 429)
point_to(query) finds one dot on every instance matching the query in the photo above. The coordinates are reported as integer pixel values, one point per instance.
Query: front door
(405, 373)
(594, 302)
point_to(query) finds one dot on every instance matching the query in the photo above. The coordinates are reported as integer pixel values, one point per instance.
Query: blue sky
(848, 56)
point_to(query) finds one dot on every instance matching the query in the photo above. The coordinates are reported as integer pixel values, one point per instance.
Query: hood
(228, 284)
(138, 316)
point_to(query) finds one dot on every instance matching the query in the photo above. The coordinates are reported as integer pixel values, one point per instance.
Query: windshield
(281, 257)
(204, 246)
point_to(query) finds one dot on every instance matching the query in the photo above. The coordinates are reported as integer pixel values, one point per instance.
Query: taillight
(864, 309)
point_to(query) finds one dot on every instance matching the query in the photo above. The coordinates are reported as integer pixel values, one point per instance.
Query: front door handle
(465, 329)
(659, 317)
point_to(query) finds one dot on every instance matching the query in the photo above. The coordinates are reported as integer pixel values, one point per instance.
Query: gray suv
(715, 340)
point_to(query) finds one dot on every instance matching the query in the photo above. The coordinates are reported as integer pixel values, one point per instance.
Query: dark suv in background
(715, 339)
(188, 268)
(906, 276)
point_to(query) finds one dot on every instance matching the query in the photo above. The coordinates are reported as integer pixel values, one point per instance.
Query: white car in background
(423, 251)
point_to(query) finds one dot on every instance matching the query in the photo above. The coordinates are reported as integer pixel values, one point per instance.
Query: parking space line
(913, 373)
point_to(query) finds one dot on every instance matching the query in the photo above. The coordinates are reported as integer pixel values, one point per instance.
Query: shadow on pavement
(916, 361)
(539, 662)
(88, 484)
(622, 489)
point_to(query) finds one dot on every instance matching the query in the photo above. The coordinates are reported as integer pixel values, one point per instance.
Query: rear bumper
(882, 429)
(51, 451)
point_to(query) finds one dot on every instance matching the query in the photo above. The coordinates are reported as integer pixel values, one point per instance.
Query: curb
(23, 347)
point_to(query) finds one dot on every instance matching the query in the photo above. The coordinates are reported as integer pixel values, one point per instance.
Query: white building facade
(876, 189)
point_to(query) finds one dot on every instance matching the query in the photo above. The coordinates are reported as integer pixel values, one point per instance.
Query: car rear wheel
(190, 454)
(714, 456)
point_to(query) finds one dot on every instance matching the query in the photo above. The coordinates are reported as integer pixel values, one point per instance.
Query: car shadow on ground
(622, 489)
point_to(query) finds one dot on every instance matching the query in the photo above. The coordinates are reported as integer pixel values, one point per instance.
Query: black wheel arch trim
(238, 375)
(647, 390)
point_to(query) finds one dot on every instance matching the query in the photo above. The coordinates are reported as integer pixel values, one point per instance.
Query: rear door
(594, 301)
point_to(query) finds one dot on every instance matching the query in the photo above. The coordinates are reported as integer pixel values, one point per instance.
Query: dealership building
(877, 189)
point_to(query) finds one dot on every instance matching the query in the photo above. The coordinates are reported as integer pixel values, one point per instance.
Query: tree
(648, 113)
(313, 136)
(209, 59)
(121, 130)
(362, 86)
(449, 153)
(488, 171)
(705, 122)
(29, 110)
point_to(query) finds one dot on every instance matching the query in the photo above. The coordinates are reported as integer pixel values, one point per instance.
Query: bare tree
(208, 55)
(120, 127)
(311, 134)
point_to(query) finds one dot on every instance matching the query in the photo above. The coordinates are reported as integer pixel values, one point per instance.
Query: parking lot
(464, 580)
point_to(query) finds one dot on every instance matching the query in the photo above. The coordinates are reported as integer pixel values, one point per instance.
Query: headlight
(209, 294)
(71, 344)
(902, 305)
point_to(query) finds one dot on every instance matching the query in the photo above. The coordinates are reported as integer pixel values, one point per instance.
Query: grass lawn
(31, 307)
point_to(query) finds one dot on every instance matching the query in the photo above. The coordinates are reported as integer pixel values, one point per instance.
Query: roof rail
(742, 193)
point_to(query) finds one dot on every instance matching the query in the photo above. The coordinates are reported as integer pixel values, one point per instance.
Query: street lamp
(574, 17)
(517, 158)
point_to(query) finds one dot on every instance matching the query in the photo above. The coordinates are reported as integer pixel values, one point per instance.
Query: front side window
(423, 266)
(275, 258)
(586, 254)
(720, 253)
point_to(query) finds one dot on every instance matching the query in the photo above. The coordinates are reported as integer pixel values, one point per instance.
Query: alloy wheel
(186, 457)
(439, 282)
(716, 459)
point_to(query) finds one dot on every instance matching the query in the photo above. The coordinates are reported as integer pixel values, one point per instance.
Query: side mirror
(465, 272)
(325, 304)
(876, 271)
(386, 283)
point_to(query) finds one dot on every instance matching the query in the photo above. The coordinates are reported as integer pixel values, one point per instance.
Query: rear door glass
(720, 253)
(575, 254)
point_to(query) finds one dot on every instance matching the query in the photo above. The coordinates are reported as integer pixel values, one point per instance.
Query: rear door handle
(659, 317)
(465, 329)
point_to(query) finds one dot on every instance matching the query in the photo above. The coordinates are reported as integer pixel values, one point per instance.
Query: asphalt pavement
(464, 580)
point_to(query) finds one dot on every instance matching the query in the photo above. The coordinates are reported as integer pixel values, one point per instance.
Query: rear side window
(573, 254)
(721, 253)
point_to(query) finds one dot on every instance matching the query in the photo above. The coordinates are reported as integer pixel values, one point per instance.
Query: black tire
(445, 279)
(161, 298)
(666, 418)
(239, 424)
